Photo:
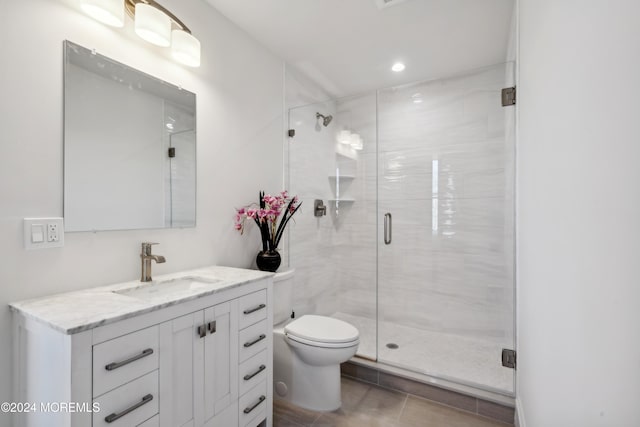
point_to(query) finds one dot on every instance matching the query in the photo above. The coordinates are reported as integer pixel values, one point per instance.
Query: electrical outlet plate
(42, 233)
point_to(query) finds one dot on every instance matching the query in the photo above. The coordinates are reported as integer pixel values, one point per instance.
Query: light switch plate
(43, 233)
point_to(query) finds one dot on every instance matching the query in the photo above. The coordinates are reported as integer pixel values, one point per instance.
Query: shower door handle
(388, 228)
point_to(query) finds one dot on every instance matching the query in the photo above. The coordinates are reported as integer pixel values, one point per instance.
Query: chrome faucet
(146, 257)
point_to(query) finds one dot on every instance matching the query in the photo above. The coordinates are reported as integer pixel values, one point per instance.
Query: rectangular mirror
(129, 147)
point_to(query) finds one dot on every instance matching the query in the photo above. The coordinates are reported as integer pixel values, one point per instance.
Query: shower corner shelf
(342, 177)
(342, 200)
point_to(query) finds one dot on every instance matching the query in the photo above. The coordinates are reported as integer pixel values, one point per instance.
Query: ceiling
(349, 46)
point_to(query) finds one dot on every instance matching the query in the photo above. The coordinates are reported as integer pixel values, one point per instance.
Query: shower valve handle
(319, 209)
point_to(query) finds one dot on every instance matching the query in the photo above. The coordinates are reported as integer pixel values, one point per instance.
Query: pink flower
(269, 214)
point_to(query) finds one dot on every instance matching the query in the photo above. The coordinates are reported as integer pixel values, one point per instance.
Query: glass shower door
(446, 227)
(334, 251)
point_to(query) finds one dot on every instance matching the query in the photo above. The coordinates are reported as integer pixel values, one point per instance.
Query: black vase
(268, 260)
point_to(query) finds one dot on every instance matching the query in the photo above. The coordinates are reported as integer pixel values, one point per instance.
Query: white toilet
(308, 351)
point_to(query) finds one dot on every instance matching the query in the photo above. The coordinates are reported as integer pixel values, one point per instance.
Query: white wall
(240, 101)
(579, 213)
(300, 90)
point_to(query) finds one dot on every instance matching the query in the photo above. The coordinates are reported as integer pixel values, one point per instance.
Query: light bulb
(110, 12)
(185, 48)
(398, 67)
(153, 25)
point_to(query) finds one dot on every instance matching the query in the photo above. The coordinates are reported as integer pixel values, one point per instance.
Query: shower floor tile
(448, 356)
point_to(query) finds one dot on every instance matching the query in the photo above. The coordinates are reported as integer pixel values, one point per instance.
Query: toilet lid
(322, 329)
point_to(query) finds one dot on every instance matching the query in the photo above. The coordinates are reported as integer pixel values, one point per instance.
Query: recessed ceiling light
(397, 67)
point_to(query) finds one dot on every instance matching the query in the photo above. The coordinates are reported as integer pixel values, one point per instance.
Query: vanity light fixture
(109, 12)
(153, 23)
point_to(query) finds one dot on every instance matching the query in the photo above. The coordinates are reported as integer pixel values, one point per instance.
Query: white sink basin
(165, 288)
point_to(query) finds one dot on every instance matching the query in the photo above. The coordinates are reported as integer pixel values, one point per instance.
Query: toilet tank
(282, 296)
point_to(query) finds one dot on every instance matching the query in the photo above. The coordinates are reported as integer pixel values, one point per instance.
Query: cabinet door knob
(212, 327)
(202, 331)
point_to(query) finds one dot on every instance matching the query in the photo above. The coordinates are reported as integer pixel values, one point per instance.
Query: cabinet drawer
(253, 340)
(252, 308)
(123, 359)
(129, 405)
(253, 371)
(152, 422)
(253, 406)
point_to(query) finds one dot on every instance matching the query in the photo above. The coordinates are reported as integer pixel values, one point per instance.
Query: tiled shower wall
(444, 157)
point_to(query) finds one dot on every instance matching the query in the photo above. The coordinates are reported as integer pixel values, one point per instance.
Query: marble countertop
(78, 311)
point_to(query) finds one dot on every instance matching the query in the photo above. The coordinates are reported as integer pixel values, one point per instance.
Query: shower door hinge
(172, 152)
(508, 358)
(509, 96)
(292, 133)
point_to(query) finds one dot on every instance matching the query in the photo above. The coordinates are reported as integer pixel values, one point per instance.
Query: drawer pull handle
(251, 408)
(249, 376)
(113, 417)
(256, 341)
(254, 309)
(116, 365)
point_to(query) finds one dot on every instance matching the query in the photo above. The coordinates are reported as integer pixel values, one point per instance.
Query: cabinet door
(181, 351)
(221, 359)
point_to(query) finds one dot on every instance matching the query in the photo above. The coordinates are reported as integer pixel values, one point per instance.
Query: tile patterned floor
(366, 405)
(448, 356)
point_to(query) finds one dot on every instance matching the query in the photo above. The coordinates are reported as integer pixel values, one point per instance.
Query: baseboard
(519, 418)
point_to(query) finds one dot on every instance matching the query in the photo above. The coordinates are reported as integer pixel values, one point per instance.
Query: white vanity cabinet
(198, 368)
(205, 361)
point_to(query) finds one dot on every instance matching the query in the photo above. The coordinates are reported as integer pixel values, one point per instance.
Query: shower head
(325, 119)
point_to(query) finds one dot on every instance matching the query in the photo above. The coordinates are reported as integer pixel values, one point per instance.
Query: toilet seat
(323, 344)
(322, 331)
